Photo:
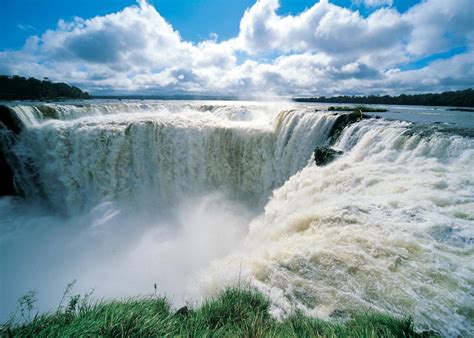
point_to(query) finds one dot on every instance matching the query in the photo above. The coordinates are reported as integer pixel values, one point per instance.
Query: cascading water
(78, 162)
(387, 226)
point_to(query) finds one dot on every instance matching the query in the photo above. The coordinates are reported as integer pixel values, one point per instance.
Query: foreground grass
(243, 313)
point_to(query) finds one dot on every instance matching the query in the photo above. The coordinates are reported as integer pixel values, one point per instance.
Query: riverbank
(234, 312)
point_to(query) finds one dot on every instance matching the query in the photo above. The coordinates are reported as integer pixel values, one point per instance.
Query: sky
(242, 47)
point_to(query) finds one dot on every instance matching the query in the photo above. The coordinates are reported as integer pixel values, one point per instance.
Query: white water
(162, 154)
(175, 193)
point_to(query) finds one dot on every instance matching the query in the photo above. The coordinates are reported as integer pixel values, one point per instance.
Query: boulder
(343, 120)
(324, 155)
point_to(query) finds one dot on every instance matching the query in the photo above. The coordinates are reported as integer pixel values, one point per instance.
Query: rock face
(183, 311)
(10, 120)
(7, 186)
(324, 155)
(10, 126)
(343, 121)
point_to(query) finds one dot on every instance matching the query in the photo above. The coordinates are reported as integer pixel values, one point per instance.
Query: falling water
(216, 193)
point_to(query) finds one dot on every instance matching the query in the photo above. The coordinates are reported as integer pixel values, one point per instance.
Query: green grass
(233, 313)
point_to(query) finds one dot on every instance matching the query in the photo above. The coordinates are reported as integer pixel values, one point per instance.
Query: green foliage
(460, 98)
(234, 313)
(27, 305)
(20, 88)
(363, 109)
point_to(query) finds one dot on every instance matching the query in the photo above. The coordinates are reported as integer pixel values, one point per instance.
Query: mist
(113, 251)
(194, 197)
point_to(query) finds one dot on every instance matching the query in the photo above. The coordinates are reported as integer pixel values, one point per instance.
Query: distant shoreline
(193, 98)
(461, 99)
(16, 88)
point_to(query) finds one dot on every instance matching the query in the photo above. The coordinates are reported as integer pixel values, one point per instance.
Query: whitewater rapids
(196, 196)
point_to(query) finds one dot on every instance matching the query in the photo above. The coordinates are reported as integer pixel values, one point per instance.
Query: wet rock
(10, 120)
(7, 185)
(48, 112)
(324, 155)
(11, 126)
(344, 120)
(183, 311)
(339, 314)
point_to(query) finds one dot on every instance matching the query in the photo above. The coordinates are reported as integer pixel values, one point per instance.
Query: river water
(194, 196)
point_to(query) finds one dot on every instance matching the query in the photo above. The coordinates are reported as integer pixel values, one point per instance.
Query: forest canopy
(20, 88)
(460, 98)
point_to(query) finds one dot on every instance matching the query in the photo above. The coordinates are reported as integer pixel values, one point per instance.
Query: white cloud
(325, 50)
(432, 26)
(439, 25)
(323, 27)
(26, 27)
(374, 3)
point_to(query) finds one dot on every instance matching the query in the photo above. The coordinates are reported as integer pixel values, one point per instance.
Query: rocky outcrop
(7, 185)
(324, 155)
(344, 120)
(10, 120)
(10, 126)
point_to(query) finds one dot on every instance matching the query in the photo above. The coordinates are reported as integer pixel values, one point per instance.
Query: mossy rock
(325, 155)
(48, 112)
(344, 120)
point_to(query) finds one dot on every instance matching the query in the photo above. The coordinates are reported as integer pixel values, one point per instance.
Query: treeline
(20, 88)
(460, 98)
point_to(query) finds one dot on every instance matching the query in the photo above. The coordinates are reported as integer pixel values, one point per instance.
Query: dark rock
(13, 125)
(48, 112)
(462, 109)
(9, 118)
(183, 311)
(325, 155)
(7, 185)
(361, 109)
(332, 108)
(340, 315)
(343, 121)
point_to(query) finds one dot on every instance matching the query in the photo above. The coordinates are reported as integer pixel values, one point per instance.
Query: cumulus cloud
(324, 50)
(323, 27)
(437, 26)
(429, 27)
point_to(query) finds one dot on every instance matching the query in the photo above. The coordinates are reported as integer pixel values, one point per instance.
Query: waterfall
(387, 225)
(76, 156)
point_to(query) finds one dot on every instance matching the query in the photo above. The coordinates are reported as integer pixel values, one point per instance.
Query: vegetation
(462, 109)
(20, 88)
(235, 312)
(358, 109)
(461, 98)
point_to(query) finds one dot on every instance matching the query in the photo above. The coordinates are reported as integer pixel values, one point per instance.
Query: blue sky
(400, 38)
(194, 19)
